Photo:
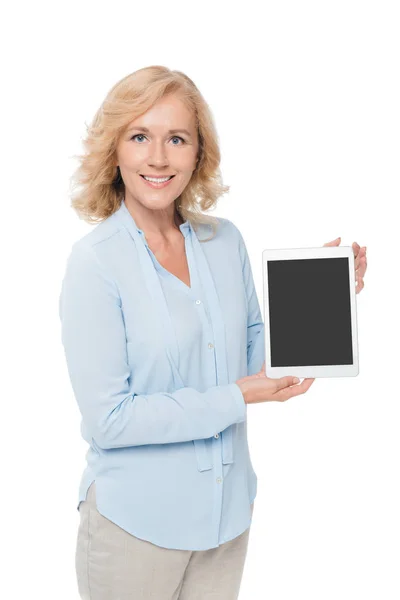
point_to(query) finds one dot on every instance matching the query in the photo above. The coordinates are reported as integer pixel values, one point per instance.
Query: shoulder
(229, 227)
(89, 256)
(232, 236)
(226, 231)
(104, 234)
(231, 232)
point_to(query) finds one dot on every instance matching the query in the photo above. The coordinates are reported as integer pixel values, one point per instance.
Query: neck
(161, 224)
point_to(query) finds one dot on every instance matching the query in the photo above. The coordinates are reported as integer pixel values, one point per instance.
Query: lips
(157, 185)
(156, 176)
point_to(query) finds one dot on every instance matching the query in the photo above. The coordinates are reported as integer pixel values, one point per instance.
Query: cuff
(240, 403)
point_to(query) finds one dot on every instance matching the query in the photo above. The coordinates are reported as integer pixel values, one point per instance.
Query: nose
(158, 156)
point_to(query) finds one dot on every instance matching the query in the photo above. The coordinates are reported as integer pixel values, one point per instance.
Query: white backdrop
(306, 100)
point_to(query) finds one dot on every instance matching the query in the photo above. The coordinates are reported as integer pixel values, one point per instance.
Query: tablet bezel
(311, 370)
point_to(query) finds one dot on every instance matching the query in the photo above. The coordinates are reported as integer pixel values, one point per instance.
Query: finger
(361, 270)
(261, 373)
(360, 285)
(334, 242)
(284, 382)
(360, 260)
(356, 248)
(363, 267)
(295, 390)
(362, 252)
(262, 370)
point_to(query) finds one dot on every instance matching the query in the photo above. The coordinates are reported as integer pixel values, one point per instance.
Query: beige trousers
(112, 564)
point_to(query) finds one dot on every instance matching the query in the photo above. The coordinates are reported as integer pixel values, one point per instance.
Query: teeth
(157, 179)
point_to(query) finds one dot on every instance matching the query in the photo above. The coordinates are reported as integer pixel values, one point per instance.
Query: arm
(255, 323)
(93, 336)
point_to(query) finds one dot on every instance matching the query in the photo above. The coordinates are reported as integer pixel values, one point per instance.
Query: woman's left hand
(360, 262)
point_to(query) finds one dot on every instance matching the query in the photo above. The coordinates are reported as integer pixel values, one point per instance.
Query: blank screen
(309, 312)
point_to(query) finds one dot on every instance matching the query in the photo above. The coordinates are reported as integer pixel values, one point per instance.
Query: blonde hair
(101, 186)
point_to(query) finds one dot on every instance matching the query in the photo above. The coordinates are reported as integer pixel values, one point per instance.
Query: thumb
(333, 242)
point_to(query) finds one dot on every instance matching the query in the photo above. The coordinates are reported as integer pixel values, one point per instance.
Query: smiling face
(161, 142)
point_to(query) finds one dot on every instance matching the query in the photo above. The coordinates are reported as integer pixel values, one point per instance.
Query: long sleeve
(94, 340)
(255, 323)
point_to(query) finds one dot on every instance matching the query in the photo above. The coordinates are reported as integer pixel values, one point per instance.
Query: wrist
(245, 392)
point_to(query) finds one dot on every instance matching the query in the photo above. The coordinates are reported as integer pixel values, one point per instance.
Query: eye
(177, 137)
(137, 135)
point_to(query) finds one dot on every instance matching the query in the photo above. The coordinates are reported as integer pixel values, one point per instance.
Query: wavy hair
(101, 188)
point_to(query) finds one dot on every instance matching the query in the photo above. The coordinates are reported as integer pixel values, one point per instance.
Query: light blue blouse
(153, 365)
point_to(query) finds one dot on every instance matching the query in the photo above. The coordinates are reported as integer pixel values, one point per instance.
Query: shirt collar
(185, 227)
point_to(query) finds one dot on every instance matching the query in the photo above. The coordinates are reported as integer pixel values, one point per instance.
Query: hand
(260, 388)
(360, 262)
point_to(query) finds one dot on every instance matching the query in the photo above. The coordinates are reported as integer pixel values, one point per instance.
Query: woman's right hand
(260, 388)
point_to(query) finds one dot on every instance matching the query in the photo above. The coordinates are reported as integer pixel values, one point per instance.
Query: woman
(163, 338)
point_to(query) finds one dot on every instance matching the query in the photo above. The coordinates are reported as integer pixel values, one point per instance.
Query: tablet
(310, 312)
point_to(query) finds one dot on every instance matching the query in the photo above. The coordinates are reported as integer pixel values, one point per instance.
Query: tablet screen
(309, 312)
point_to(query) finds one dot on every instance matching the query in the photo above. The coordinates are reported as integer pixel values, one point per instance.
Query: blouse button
(198, 301)
(219, 479)
(210, 345)
(216, 435)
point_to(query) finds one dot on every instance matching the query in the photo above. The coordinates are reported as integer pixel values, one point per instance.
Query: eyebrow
(145, 130)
